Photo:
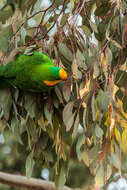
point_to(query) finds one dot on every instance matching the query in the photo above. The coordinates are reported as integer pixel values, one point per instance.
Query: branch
(42, 11)
(18, 180)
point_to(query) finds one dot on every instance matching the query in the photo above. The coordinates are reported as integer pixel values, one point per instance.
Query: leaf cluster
(94, 97)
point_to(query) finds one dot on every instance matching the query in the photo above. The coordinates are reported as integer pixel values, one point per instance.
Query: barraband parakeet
(34, 73)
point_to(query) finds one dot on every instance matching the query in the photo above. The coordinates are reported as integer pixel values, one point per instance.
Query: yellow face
(63, 77)
(63, 74)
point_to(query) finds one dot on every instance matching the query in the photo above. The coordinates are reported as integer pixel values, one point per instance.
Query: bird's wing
(24, 63)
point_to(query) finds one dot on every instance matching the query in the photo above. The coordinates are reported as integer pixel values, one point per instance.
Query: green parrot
(33, 73)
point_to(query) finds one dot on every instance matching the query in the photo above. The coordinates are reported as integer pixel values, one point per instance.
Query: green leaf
(59, 95)
(80, 142)
(3, 43)
(16, 94)
(48, 110)
(42, 123)
(98, 132)
(48, 157)
(29, 165)
(5, 14)
(72, 4)
(102, 8)
(68, 116)
(31, 105)
(60, 178)
(93, 26)
(102, 100)
(99, 178)
(36, 6)
(76, 124)
(86, 30)
(76, 73)
(108, 29)
(31, 129)
(5, 34)
(58, 3)
(115, 160)
(64, 19)
(109, 172)
(65, 51)
(116, 44)
(23, 35)
(96, 70)
(94, 166)
(84, 118)
(81, 60)
(3, 124)
(5, 102)
(93, 108)
(16, 130)
(108, 55)
(67, 91)
(124, 140)
(114, 24)
(85, 156)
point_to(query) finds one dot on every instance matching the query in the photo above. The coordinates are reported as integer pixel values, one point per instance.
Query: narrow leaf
(68, 116)
(93, 108)
(76, 124)
(29, 165)
(98, 132)
(80, 142)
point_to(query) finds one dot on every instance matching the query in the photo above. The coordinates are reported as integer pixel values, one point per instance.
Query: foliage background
(88, 39)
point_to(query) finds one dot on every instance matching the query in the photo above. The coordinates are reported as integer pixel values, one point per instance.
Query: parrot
(35, 73)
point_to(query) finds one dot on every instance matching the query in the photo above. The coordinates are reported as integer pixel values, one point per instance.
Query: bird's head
(58, 75)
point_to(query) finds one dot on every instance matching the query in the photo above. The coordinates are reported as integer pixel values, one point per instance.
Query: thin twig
(42, 11)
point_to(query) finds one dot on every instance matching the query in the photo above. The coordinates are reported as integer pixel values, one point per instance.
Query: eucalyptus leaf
(68, 116)
(29, 165)
(93, 26)
(31, 105)
(67, 91)
(65, 51)
(102, 100)
(86, 30)
(109, 55)
(23, 35)
(76, 124)
(115, 160)
(5, 34)
(98, 132)
(93, 106)
(80, 142)
(48, 110)
(84, 118)
(60, 178)
(64, 19)
(16, 130)
(59, 95)
(5, 102)
(99, 178)
(81, 60)
(31, 128)
(76, 72)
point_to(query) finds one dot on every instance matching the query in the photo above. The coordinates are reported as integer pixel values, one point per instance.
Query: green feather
(29, 72)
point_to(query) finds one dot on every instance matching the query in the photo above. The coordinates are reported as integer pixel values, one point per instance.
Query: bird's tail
(1, 67)
(3, 82)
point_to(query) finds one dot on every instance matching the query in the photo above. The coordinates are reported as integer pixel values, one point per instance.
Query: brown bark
(22, 181)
